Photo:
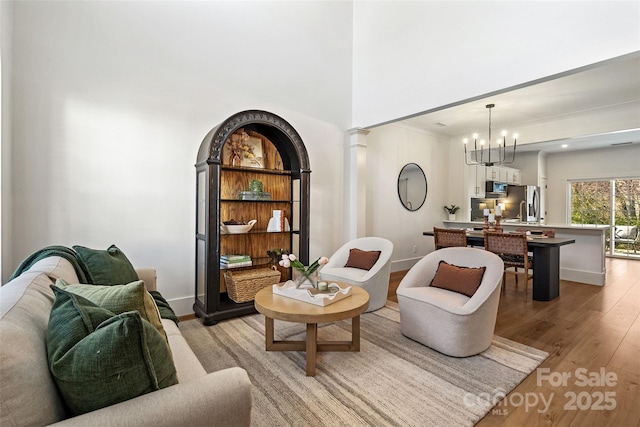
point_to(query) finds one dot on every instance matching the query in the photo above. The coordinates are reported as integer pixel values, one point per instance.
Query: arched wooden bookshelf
(280, 162)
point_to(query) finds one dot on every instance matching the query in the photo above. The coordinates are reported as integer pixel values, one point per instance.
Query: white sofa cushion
(188, 367)
(25, 381)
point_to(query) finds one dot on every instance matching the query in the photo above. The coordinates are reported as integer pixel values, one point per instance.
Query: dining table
(546, 261)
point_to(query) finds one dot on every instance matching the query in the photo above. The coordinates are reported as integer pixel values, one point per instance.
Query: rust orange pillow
(463, 280)
(362, 259)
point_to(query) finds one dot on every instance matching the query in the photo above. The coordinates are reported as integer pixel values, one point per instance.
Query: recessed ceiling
(590, 142)
(600, 89)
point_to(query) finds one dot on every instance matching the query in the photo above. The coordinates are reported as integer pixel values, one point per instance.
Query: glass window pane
(200, 269)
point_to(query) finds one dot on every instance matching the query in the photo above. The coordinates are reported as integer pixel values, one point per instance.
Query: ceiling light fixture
(500, 156)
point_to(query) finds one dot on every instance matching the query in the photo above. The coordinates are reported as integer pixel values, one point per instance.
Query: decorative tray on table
(311, 295)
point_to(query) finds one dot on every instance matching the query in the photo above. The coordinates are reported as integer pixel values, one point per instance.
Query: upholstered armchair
(374, 280)
(450, 322)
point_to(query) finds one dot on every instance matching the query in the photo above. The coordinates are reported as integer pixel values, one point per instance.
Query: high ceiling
(602, 89)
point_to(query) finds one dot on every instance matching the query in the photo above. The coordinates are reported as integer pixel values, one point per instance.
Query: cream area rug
(392, 381)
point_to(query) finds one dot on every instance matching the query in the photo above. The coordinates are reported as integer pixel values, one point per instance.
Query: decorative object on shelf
(255, 191)
(312, 296)
(244, 150)
(235, 261)
(303, 275)
(451, 210)
(235, 159)
(255, 185)
(250, 195)
(278, 222)
(500, 155)
(275, 255)
(236, 227)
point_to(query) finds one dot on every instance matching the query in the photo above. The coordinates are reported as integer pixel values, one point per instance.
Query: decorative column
(356, 175)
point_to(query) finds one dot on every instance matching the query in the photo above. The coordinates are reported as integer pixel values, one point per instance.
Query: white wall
(112, 100)
(613, 162)
(389, 148)
(528, 162)
(411, 57)
(6, 58)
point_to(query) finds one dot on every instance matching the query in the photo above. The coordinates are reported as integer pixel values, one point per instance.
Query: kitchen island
(583, 261)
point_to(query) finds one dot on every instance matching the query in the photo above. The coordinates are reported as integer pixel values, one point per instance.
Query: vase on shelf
(452, 217)
(235, 159)
(303, 280)
(275, 255)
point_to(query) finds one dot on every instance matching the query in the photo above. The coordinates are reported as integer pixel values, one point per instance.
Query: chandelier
(483, 156)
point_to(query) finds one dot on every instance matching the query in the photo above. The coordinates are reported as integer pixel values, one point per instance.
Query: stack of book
(234, 261)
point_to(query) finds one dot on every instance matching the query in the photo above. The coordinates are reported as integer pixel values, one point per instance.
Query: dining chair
(448, 237)
(547, 233)
(512, 249)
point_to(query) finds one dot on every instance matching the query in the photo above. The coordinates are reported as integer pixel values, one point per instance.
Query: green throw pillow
(98, 359)
(110, 267)
(119, 299)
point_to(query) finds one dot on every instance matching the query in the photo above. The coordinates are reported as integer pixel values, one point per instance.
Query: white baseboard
(182, 306)
(589, 277)
(404, 264)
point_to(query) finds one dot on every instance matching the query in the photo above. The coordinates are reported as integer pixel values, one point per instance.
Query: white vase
(452, 217)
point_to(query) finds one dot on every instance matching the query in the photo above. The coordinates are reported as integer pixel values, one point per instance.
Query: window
(613, 202)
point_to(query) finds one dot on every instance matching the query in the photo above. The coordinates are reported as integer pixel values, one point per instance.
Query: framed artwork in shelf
(243, 150)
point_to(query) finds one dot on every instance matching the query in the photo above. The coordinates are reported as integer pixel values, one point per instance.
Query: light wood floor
(590, 327)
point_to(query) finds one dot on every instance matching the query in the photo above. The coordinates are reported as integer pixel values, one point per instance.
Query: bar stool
(513, 250)
(448, 237)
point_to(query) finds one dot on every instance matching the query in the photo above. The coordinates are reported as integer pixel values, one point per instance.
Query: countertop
(582, 261)
(576, 228)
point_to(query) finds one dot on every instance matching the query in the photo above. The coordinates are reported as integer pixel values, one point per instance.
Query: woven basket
(243, 286)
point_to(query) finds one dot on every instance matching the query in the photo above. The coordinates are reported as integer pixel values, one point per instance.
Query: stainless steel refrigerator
(524, 202)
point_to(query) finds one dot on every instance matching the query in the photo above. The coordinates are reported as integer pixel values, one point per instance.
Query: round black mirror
(412, 187)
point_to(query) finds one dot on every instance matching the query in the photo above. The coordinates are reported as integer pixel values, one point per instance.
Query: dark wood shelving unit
(285, 176)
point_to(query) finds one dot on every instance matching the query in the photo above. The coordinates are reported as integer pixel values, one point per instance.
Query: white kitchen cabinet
(492, 173)
(514, 177)
(503, 174)
(497, 173)
(479, 175)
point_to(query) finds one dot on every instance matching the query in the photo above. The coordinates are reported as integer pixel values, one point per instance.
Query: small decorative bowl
(237, 229)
